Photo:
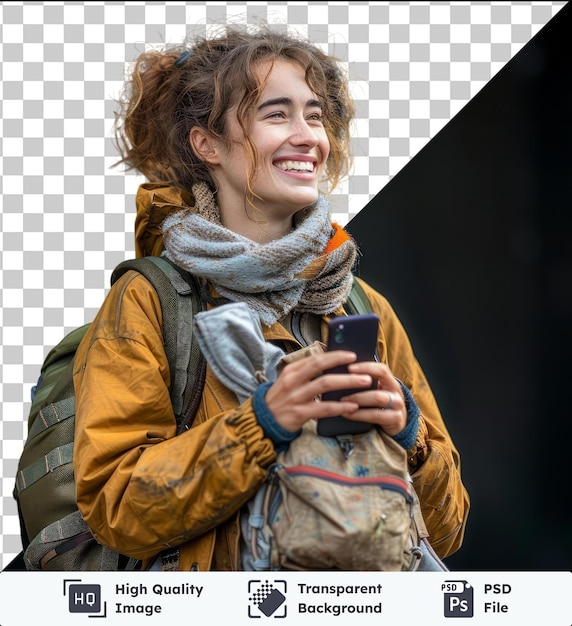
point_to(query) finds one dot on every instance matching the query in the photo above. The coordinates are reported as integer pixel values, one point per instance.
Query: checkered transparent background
(67, 218)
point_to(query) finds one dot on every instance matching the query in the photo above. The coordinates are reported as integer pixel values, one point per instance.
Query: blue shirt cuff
(406, 438)
(279, 436)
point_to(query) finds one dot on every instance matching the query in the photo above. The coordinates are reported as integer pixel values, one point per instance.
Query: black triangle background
(471, 243)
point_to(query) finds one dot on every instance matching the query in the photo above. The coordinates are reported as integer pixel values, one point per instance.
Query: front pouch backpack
(322, 509)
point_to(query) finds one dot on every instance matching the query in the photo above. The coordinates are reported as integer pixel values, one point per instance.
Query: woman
(238, 136)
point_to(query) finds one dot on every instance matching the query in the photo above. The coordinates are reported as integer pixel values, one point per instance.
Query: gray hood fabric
(231, 340)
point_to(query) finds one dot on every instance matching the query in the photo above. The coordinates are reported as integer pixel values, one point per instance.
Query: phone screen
(357, 333)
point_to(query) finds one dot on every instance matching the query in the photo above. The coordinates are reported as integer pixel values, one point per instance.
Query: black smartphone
(357, 333)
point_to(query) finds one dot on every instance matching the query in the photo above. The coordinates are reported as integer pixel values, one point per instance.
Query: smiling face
(291, 146)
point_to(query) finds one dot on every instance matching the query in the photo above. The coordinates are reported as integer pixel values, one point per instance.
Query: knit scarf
(308, 269)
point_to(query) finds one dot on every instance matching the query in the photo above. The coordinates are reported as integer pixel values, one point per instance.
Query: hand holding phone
(357, 333)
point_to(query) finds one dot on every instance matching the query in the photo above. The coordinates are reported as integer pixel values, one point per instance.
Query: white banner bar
(316, 598)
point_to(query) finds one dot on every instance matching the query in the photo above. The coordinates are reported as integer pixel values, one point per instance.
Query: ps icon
(458, 598)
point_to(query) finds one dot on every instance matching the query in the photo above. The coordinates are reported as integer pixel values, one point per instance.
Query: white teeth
(296, 166)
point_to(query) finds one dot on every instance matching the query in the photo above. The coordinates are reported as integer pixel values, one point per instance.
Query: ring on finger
(389, 405)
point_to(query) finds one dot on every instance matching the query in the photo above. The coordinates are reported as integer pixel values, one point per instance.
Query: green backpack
(54, 535)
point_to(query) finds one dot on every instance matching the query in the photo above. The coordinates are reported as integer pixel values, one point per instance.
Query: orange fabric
(338, 238)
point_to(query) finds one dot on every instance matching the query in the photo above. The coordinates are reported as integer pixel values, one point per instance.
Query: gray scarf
(295, 271)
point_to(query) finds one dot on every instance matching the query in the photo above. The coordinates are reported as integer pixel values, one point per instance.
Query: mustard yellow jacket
(142, 489)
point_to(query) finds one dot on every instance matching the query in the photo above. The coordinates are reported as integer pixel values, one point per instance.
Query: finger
(379, 371)
(384, 408)
(300, 372)
(332, 383)
(291, 398)
(392, 422)
(300, 383)
(378, 399)
(293, 412)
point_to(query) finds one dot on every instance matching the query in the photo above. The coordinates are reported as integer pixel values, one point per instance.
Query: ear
(204, 145)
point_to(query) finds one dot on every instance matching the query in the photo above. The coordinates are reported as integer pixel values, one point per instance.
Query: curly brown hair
(170, 91)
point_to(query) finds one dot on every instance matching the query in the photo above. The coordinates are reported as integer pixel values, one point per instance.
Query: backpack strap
(179, 294)
(357, 303)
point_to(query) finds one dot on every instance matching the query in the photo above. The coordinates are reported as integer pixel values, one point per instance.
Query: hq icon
(84, 598)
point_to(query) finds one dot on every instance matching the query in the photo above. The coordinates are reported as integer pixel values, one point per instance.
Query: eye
(275, 115)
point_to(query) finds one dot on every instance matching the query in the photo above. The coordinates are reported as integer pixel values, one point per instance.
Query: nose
(304, 134)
